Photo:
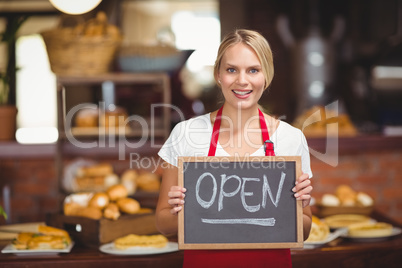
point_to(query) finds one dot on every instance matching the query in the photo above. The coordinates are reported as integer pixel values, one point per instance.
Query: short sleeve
(305, 156)
(172, 148)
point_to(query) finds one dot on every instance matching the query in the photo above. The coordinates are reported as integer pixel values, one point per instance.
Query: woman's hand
(176, 198)
(303, 189)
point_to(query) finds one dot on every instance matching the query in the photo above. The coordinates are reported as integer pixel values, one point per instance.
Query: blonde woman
(243, 70)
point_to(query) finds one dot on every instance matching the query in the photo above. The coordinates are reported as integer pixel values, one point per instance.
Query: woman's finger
(304, 191)
(176, 209)
(176, 194)
(302, 185)
(175, 201)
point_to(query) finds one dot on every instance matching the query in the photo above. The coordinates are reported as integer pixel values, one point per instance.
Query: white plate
(332, 236)
(25, 252)
(395, 231)
(110, 249)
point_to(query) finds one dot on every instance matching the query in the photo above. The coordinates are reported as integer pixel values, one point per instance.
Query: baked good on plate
(46, 237)
(319, 230)
(344, 220)
(132, 240)
(371, 229)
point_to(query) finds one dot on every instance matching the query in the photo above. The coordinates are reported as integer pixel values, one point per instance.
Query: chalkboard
(240, 203)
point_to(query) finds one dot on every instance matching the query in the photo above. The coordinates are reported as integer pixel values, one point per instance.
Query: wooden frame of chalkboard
(240, 203)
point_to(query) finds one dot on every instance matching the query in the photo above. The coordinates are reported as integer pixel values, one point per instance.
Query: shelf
(119, 150)
(126, 132)
(357, 144)
(120, 78)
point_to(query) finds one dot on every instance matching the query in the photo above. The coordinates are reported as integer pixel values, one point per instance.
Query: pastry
(148, 182)
(346, 195)
(115, 118)
(330, 200)
(116, 192)
(111, 211)
(90, 212)
(371, 229)
(364, 199)
(99, 200)
(132, 240)
(98, 170)
(129, 180)
(72, 209)
(128, 205)
(344, 220)
(46, 237)
(319, 230)
(87, 117)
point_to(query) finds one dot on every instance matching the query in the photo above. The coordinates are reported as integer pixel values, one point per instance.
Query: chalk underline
(255, 221)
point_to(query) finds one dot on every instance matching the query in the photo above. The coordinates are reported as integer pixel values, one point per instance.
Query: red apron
(238, 258)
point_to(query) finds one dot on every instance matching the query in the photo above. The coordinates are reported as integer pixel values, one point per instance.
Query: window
(36, 92)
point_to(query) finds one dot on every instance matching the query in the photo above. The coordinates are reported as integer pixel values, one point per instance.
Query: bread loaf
(129, 180)
(99, 200)
(90, 212)
(128, 205)
(87, 118)
(111, 211)
(98, 170)
(148, 181)
(116, 192)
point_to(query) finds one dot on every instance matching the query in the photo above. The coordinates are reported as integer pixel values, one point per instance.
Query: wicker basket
(72, 54)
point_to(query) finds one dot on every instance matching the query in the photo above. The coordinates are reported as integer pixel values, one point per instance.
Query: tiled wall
(378, 174)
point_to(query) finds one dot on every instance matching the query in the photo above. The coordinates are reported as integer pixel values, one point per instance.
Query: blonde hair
(257, 42)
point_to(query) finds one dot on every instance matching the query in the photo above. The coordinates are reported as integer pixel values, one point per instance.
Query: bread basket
(87, 49)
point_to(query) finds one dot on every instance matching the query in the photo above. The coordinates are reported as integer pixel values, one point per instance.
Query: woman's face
(241, 77)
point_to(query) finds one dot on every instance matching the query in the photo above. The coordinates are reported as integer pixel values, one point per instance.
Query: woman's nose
(241, 79)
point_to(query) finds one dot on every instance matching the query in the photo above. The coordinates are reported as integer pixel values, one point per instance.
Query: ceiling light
(75, 7)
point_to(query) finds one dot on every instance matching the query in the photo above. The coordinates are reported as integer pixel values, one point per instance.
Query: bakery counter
(338, 253)
(89, 257)
(363, 253)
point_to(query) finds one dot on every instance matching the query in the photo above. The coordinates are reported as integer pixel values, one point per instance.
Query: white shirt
(192, 137)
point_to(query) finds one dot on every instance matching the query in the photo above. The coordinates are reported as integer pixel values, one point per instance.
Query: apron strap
(268, 144)
(215, 133)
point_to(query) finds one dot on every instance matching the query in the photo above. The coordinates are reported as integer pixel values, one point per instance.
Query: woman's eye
(231, 70)
(253, 71)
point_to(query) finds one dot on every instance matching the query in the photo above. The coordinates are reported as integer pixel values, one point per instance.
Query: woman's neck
(237, 119)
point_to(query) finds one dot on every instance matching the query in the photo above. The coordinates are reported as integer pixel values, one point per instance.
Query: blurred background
(334, 60)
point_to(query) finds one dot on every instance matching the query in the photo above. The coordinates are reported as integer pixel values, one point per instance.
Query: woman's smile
(242, 94)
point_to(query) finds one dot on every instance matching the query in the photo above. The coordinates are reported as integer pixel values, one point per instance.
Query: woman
(243, 70)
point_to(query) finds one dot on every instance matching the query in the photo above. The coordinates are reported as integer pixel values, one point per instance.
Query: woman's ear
(218, 79)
